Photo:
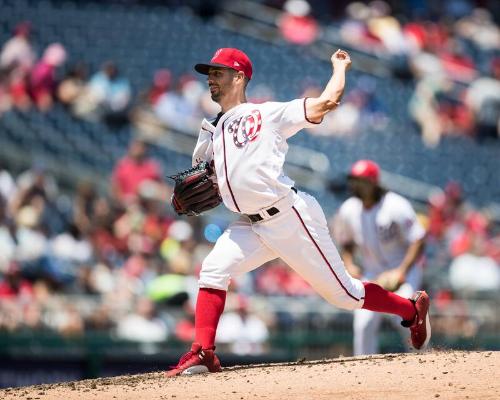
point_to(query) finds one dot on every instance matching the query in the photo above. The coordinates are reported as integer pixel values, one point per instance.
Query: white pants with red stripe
(299, 235)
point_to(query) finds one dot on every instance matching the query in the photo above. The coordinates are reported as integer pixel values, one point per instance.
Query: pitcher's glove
(195, 190)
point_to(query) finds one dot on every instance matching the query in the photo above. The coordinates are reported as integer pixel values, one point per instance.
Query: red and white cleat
(196, 361)
(420, 327)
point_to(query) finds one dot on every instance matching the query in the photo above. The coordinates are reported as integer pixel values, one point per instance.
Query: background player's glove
(390, 280)
(195, 191)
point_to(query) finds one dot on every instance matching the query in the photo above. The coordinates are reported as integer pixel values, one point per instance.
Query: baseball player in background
(247, 144)
(383, 226)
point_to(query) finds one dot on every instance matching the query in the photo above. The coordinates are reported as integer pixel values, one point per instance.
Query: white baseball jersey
(248, 146)
(383, 233)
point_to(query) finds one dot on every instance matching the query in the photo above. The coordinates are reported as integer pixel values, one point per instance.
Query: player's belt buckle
(257, 217)
(270, 211)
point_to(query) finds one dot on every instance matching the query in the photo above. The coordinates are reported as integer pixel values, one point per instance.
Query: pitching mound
(446, 375)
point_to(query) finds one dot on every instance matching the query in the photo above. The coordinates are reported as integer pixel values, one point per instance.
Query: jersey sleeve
(203, 150)
(406, 218)
(290, 116)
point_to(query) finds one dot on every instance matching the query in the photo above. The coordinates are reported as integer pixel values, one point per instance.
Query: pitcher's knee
(214, 280)
(215, 272)
(349, 296)
(347, 303)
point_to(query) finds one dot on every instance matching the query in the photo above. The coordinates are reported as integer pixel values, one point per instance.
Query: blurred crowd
(169, 102)
(26, 81)
(117, 262)
(121, 262)
(453, 58)
(464, 240)
(451, 54)
(451, 50)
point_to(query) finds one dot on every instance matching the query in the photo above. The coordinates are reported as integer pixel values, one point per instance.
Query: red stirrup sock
(209, 307)
(381, 300)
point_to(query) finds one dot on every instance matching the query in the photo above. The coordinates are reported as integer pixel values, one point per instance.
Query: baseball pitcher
(246, 145)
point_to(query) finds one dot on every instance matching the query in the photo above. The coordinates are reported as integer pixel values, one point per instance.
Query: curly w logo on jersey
(246, 128)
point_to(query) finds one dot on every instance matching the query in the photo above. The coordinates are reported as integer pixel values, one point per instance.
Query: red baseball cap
(228, 58)
(365, 169)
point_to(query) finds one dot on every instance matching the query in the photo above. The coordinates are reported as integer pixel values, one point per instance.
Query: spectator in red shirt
(132, 170)
(296, 24)
(161, 84)
(445, 210)
(456, 63)
(42, 80)
(17, 58)
(13, 284)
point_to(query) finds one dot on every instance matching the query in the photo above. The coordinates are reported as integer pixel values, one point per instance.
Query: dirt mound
(446, 375)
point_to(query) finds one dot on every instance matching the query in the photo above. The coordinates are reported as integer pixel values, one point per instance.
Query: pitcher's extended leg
(237, 251)
(307, 247)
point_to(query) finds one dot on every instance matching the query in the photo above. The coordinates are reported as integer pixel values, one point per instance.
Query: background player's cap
(228, 58)
(366, 169)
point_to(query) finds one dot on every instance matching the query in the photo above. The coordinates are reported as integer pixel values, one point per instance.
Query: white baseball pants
(299, 235)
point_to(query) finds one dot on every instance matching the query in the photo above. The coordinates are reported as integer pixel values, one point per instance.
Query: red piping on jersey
(206, 130)
(322, 255)
(305, 114)
(225, 168)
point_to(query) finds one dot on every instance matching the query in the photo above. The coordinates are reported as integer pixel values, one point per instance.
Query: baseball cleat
(196, 361)
(420, 327)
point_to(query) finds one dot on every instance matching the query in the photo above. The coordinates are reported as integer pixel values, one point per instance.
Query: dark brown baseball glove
(195, 190)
